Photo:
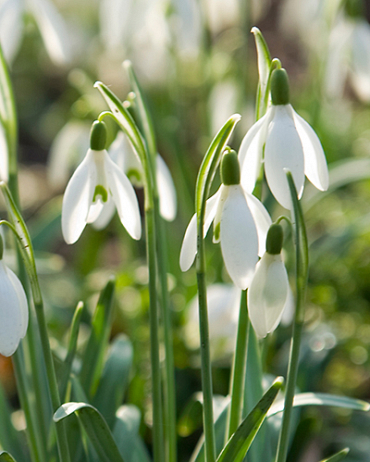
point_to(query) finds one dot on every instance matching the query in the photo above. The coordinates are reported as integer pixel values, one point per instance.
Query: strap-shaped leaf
(92, 364)
(6, 457)
(321, 399)
(96, 428)
(338, 456)
(239, 443)
(264, 68)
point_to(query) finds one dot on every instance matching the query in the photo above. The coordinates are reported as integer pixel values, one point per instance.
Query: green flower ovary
(100, 191)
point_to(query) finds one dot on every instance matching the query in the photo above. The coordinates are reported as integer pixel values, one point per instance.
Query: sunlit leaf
(338, 456)
(6, 457)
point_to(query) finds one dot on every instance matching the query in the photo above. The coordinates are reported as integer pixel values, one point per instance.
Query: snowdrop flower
(289, 142)
(51, 25)
(96, 183)
(240, 224)
(349, 53)
(13, 309)
(123, 154)
(269, 289)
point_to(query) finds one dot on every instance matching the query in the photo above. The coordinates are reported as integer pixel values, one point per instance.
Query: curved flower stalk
(51, 25)
(269, 289)
(240, 224)
(123, 154)
(349, 53)
(289, 141)
(97, 182)
(13, 309)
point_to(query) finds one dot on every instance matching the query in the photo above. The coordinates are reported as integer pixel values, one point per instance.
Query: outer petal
(360, 75)
(12, 324)
(124, 155)
(22, 301)
(189, 243)
(239, 241)
(262, 220)
(283, 150)
(250, 152)
(315, 167)
(267, 294)
(78, 198)
(11, 27)
(166, 191)
(124, 197)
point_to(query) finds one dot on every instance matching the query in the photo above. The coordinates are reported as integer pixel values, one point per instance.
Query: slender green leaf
(6, 457)
(211, 160)
(240, 441)
(264, 67)
(142, 106)
(321, 399)
(114, 380)
(96, 428)
(126, 433)
(92, 363)
(338, 456)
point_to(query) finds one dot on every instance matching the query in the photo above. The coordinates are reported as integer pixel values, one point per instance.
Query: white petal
(360, 68)
(124, 155)
(106, 214)
(124, 197)
(283, 150)
(53, 31)
(12, 317)
(250, 153)
(262, 220)
(223, 193)
(11, 27)
(114, 18)
(95, 210)
(166, 191)
(267, 294)
(4, 156)
(189, 243)
(239, 241)
(22, 301)
(78, 199)
(315, 167)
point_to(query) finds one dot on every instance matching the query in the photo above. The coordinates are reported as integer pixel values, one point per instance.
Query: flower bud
(280, 87)
(274, 239)
(98, 136)
(230, 170)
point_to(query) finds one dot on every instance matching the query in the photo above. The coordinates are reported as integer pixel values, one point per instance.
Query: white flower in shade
(240, 224)
(123, 154)
(97, 183)
(13, 309)
(269, 290)
(288, 142)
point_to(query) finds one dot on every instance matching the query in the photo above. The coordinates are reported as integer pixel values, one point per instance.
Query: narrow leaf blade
(6, 457)
(338, 456)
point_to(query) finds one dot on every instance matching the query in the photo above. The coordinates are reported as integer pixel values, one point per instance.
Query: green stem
(209, 434)
(238, 371)
(169, 382)
(158, 448)
(52, 380)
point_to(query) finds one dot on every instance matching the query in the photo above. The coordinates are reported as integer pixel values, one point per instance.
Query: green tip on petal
(1, 248)
(98, 136)
(100, 191)
(355, 8)
(274, 239)
(230, 169)
(280, 87)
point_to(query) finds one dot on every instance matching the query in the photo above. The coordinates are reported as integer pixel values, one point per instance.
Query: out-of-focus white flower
(51, 26)
(13, 309)
(349, 56)
(290, 143)
(96, 183)
(123, 154)
(223, 302)
(240, 224)
(269, 289)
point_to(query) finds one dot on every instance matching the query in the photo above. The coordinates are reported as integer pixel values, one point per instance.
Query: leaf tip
(255, 30)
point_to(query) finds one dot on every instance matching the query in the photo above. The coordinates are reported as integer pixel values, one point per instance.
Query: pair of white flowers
(279, 141)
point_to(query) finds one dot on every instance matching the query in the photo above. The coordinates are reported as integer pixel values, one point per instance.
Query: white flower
(269, 290)
(290, 143)
(13, 311)
(123, 154)
(240, 224)
(51, 25)
(97, 184)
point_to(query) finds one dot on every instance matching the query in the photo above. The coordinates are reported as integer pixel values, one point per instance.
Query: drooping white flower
(96, 183)
(123, 154)
(13, 309)
(269, 290)
(288, 142)
(240, 224)
(51, 26)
